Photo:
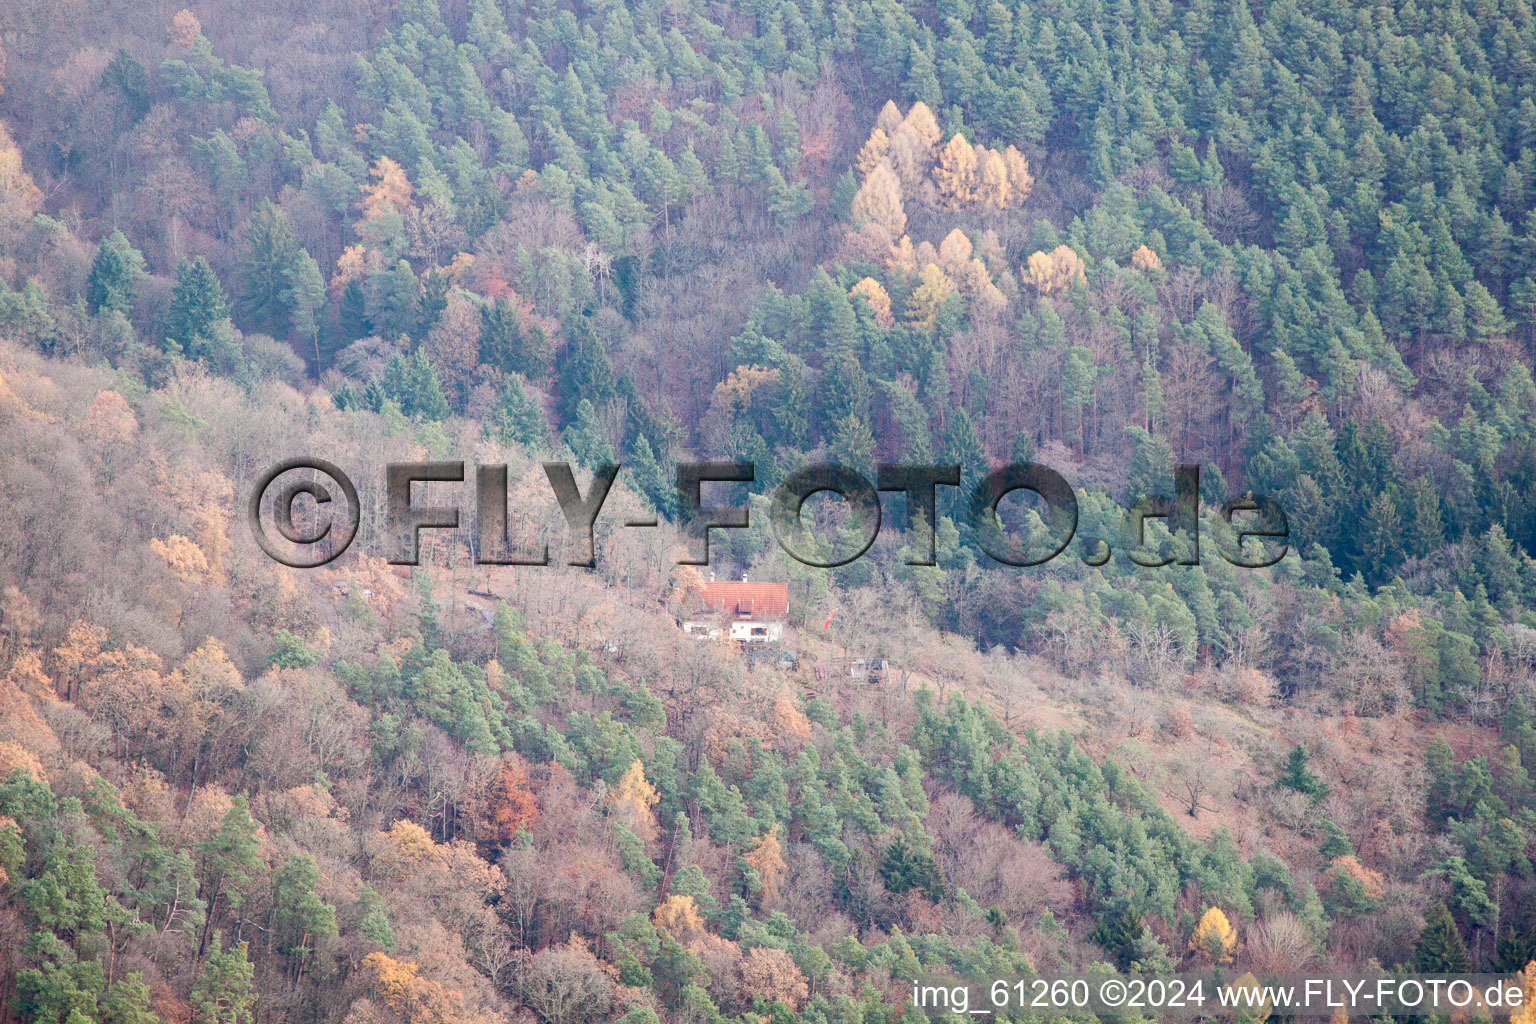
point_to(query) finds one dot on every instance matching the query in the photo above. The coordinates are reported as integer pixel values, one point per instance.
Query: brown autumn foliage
(772, 974)
(453, 345)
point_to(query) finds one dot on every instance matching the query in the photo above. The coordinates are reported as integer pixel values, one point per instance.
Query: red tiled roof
(747, 600)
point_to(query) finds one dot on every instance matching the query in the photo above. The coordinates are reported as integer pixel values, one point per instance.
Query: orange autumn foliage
(411, 998)
(513, 805)
(185, 28)
(767, 860)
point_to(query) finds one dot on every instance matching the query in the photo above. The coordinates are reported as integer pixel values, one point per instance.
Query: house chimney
(711, 575)
(743, 577)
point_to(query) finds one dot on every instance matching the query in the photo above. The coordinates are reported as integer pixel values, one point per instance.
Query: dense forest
(1293, 244)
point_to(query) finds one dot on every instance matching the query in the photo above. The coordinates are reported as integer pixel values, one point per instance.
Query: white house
(749, 613)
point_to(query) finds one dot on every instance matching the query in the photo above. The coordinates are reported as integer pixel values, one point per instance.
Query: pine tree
(510, 347)
(905, 866)
(372, 919)
(1515, 948)
(831, 314)
(790, 408)
(585, 437)
(230, 859)
(843, 389)
(127, 1002)
(223, 993)
(391, 299)
(353, 315)
(851, 444)
(300, 918)
(431, 302)
(1121, 934)
(128, 77)
(411, 381)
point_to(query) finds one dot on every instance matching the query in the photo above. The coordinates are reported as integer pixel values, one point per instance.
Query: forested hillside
(1293, 244)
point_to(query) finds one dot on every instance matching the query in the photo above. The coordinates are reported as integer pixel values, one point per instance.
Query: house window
(759, 630)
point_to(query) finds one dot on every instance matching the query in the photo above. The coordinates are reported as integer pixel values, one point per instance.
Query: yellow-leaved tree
(1145, 259)
(1019, 177)
(878, 201)
(407, 997)
(391, 189)
(995, 186)
(929, 296)
(1256, 1005)
(922, 124)
(631, 802)
(873, 151)
(956, 173)
(184, 558)
(678, 915)
(185, 29)
(877, 298)
(1054, 271)
(1214, 937)
(955, 251)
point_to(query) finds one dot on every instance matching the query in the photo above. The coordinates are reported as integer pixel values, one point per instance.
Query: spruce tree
(197, 304)
(1299, 777)
(646, 476)
(353, 316)
(1439, 949)
(1120, 934)
(585, 372)
(520, 418)
(585, 436)
(118, 265)
(127, 1002)
(265, 302)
